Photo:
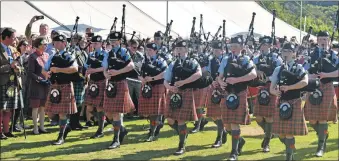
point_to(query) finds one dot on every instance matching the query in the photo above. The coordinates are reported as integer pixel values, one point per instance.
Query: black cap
(152, 46)
(265, 40)
(158, 34)
(237, 40)
(323, 33)
(97, 38)
(60, 38)
(182, 43)
(115, 36)
(289, 46)
(216, 45)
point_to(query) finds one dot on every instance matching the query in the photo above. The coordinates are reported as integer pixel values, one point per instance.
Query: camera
(39, 17)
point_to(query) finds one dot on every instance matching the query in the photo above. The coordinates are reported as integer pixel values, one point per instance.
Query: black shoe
(60, 140)
(241, 145)
(233, 155)
(67, 130)
(122, 135)
(89, 124)
(320, 152)
(97, 135)
(266, 145)
(203, 123)
(224, 137)
(217, 144)
(151, 139)
(195, 129)
(10, 135)
(17, 128)
(180, 151)
(3, 136)
(43, 131)
(54, 123)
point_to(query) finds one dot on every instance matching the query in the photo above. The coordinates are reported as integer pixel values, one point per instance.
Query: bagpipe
(96, 62)
(152, 70)
(250, 30)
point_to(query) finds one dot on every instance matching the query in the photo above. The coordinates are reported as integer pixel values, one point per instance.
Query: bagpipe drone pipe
(96, 63)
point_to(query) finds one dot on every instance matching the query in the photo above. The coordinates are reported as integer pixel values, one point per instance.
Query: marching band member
(153, 91)
(180, 105)
(288, 119)
(265, 63)
(236, 112)
(319, 112)
(61, 99)
(117, 64)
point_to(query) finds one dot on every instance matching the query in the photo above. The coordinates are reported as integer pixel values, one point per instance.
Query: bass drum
(336, 88)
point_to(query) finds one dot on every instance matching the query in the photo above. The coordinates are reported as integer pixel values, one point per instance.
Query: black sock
(116, 126)
(290, 146)
(101, 121)
(235, 139)
(322, 134)
(268, 130)
(220, 127)
(182, 133)
(315, 127)
(262, 124)
(153, 124)
(174, 127)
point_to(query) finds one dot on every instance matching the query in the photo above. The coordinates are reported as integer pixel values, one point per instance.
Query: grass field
(78, 146)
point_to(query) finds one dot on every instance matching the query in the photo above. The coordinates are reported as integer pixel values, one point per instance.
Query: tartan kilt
(7, 102)
(122, 102)
(296, 125)
(187, 112)
(238, 116)
(200, 97)
(79, 92)
(98, 100)
(266, 111)
(67, 104)
(328, 108)
(213, 110)
(154, 105)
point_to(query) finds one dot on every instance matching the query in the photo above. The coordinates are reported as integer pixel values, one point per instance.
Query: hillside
(319, 15)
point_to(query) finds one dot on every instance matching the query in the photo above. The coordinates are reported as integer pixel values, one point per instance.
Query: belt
(133, 80)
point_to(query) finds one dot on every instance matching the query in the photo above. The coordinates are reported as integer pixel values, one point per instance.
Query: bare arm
(159, 76)
(126, 69)
(300, 84)
(250, 76)
(68, 70)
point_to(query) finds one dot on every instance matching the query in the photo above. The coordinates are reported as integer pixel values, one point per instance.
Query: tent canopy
(144, 18)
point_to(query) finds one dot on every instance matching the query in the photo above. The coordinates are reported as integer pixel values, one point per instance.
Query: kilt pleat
(213, 110)
(296, 125)
(79, 92)
(187, 112)
(328, 108)
(265, 111)
(200, 97)
(98, 100)
(154, 105)
(8, 102)
(67, 105)
(238, 116)
(122, 102)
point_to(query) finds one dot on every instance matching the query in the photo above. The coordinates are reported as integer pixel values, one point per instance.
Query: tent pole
(51, 18)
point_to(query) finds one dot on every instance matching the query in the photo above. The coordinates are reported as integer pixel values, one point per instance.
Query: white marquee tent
(146, 17)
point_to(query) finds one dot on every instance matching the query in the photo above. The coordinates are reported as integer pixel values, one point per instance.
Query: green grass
(78, 146)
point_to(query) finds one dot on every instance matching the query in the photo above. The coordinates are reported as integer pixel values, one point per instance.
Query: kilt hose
(154, 105)
(98, 100)
(213, 110)
(296, 125)
(238, 116)
(200, 97)
(79, 92)
(263, 110)
(187, 112)
(122, 102)
(8, 102)
(67, 104)
(328, 108)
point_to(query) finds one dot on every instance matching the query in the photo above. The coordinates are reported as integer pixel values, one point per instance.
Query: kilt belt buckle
(176, 101)
(316, 97)
(111, 89)
(55, 96)
(264, 97)
(232, 101)
(285, 110)
(93, 90)
(216, 97)
(11, 89)
(146, 91)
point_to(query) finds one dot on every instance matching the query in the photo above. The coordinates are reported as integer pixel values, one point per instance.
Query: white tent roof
(146, 17)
